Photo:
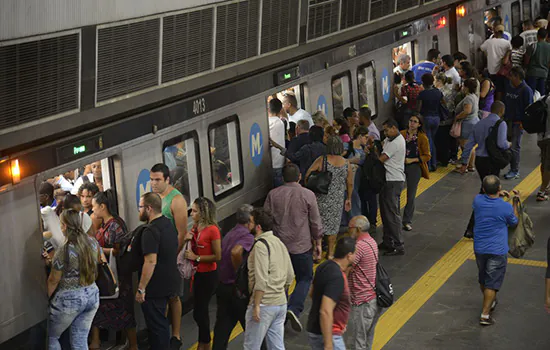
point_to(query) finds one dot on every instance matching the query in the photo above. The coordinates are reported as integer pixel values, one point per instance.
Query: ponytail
(108, 198)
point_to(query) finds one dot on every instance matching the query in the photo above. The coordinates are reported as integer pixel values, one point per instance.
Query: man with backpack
(362, 281)
(270, 274)
(485, 163)
(231, 309)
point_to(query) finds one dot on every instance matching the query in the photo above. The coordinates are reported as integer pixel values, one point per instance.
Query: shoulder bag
(319, 181)
(186, 267)
(521, 237)
(107, 280)
(456, 129)
(383, 287)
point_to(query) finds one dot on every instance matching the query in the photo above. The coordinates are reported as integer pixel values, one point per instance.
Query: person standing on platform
(447, 62)
(429, 104)
(529, 33)
(539, 60)
(302, 136)
(493, 216)
(427, 66)
(496, 48)
(393, 157)
(297, 223)
(543, 139)
(236, 246)
(362, 281)
(269, 276)
(277, 134)
(331, 304)
(365, 119)
(158, 271)
(174, 207)
(295, 114)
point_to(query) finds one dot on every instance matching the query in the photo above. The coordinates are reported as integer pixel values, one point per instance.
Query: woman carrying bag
(466, 117)
(74, 296)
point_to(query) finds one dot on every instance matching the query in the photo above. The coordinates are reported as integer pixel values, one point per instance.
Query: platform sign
(385, 85)
(507, 24)
(143, 184)
(322, 104)
(256, 144)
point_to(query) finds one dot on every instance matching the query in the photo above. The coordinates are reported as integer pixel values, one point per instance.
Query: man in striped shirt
(362, 278)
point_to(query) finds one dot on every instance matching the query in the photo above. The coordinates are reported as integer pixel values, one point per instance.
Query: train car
(216, 140)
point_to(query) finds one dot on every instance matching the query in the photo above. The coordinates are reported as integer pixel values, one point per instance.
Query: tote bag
(319, 181)
(107, 278)
(456, 129)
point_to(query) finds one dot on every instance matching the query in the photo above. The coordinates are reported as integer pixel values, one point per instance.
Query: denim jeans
(431, 126)
(413, 173)
(536, 83)
(369, 206)
(277, 177)
(517, 133)
(303, 269)
(271, 327)
(316, 342)
(363, 319)
(158, 327)
(73, 309)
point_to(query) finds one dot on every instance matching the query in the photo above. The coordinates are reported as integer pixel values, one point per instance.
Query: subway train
(216, 141)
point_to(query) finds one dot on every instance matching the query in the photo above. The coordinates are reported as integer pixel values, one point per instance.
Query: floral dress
(116, 314)
(331, 205)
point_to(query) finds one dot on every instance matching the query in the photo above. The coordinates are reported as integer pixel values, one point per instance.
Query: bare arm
(237, 256)
(53, 281)
(326, 319)
(179, 212)
(465, 112)
(349, 181)
(383, 158)
(316, 166)
(216, 248)
(485, 87)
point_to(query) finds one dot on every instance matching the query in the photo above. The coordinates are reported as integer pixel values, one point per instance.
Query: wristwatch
(141, 291)
(198, 259)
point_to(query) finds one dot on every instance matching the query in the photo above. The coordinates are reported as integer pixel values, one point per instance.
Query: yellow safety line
(524, 262)
(423, 185)
(410, 302)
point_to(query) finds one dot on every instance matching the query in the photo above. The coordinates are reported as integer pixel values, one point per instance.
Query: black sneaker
(487, 321)
(394, 252)
(383, 246)
(469, 234)
(175, 343)
(294, 321)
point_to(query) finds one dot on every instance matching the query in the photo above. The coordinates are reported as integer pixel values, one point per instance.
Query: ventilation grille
(354, 12)
(38, 79)
(381, 8)
(406, 4)
(322, 17)
(128, 58)
(236, 32)
(187, 44)
(279, 24)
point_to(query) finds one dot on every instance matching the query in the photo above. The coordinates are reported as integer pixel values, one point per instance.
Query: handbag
(456, 129)
(319, 181)
(505, 66)
(186, 267)
(383, 287)
(521, 237)
(107, 278)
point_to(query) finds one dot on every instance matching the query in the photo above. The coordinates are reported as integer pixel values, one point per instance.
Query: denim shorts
(491, 270)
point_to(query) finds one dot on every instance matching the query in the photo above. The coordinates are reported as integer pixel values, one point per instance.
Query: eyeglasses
(413, 121)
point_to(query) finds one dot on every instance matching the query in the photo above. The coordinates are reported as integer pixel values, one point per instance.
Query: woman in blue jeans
(74, 296)
(429, 104)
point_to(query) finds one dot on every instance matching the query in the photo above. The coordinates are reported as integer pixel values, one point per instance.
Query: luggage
(500, 158)
(534, 119)
(521, 237)
(241, 280)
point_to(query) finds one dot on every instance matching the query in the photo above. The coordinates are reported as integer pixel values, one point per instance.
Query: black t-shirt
(329, 280)
(164, 243)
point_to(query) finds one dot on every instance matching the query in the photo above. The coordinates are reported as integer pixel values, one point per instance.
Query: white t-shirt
(453, 74)
(395, 165)
(299, 115)
(65, 184)
(506, 35)
(495, 49)
(529, 37)
(86, 222)
(277, 134)
(79, 183)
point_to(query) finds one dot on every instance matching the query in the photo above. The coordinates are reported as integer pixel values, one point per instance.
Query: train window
(516, 19)
(471, 42)
(435, 42)
(225, 156)
(366, 83)
(341, 94)
(181, 155)
(404, 49)
(297, 91)
(526, 9)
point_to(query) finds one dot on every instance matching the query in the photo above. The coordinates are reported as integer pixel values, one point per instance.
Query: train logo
(385, 85)
(256, 144)
(322, 104)
(143, 184)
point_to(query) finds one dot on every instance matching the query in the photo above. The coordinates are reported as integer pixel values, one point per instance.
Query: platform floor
(439, 301)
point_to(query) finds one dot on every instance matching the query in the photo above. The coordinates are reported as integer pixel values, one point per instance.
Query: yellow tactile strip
(410, 302)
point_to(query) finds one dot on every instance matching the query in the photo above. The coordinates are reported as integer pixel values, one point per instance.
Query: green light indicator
(79, 149)
(405, 33)
(287, 76)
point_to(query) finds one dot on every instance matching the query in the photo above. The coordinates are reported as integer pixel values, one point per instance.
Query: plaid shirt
(411, 91)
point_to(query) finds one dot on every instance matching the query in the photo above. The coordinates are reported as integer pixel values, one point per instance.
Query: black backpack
(373, 172)
(241, 280)
(132, 256)
(500, 158)
(534, 119)
(383, 288)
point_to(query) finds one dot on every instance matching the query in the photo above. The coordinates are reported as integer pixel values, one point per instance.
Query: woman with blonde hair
(319, 119)
(74, 296)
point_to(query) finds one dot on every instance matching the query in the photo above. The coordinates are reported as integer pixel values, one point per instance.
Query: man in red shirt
(362, 279)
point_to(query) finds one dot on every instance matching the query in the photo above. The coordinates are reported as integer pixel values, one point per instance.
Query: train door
(516, 18)
(341, 94)
(366, 87)
(408, 49)
(526, 7)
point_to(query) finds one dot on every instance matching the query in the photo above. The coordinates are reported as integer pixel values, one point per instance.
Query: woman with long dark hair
(206, 250)
(71, 285)
(113, 236)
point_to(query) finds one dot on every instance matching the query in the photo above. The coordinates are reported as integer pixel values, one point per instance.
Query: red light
(441, 22)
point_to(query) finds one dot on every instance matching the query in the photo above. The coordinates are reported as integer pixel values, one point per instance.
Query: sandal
(542, 196)
(471, 170)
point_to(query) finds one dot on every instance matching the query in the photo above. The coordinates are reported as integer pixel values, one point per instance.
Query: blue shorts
(491, 270)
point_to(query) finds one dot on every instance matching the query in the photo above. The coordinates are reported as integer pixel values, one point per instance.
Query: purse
(456, 129)
(319, 181)
(186, 267)
(505, 65)
(107, 279)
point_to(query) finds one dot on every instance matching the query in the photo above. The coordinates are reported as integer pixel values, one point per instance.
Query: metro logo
(256, 144)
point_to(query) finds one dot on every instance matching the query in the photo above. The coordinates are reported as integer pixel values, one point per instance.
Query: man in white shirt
(529, 34)
(393, 157)
(496, 48)
(497, 21)
(447, 62)
(277, 134)
(295, 114)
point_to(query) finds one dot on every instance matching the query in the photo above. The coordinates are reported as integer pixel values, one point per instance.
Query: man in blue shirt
(427, 66)
(492, 218)
(517, 97)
